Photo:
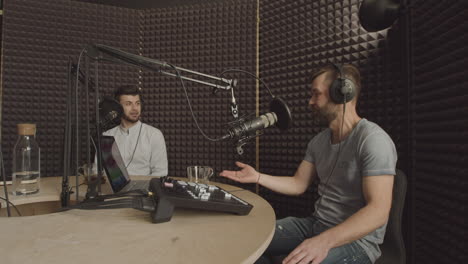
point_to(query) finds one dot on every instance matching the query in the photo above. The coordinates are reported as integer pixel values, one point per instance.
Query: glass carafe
(26, 161)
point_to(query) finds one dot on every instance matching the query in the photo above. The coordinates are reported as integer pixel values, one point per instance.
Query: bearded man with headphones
(355, 161)
(142, 146)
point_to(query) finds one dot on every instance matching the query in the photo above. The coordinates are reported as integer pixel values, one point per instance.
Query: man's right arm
(294, 185)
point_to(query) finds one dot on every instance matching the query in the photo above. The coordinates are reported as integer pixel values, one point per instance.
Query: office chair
(393, 247)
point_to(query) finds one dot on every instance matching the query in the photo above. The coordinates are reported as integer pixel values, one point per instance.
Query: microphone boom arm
(95, 51)
(229, 83)
(243, 131)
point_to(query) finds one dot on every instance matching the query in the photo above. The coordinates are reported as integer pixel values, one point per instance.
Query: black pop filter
(281, 109)
(375, 15)
(110, 112)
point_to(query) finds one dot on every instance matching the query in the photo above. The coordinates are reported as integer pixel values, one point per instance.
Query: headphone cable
(138, 140)
(336, 160)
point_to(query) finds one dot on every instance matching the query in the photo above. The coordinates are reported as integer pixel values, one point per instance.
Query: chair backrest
(393, 247)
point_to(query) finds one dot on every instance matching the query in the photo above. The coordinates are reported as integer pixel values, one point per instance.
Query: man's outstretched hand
(247, 174)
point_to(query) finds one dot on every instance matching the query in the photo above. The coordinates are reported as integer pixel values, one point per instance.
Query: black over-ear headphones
(342, 89)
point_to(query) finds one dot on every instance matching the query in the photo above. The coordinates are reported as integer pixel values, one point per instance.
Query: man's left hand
(312, 250)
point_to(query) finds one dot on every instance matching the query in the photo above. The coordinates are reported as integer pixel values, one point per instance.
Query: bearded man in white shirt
(142, 146)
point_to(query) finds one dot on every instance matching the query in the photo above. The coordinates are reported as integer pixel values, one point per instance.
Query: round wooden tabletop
(129, 236)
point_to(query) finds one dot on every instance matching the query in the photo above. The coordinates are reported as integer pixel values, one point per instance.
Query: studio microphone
(249, 127)
(110, 112)
(109, 117)
(244, 130)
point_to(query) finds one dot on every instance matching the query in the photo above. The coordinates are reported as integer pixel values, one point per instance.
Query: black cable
(88, 129)
(337, 157)
(138, 193)
(101, 205)
(77, 128)
(12, 204)
(72, 187)
(190, 105)
(144, 203)
(252, 75)
(77, 121)
(64, 194)
(91, 191)
(113, 201)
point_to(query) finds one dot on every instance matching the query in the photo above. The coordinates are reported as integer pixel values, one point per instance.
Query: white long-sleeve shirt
(147, 146)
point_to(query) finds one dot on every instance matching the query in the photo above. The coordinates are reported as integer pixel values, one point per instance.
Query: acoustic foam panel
(440, 145)
(217, 36)
(208, 38)
(39, 37)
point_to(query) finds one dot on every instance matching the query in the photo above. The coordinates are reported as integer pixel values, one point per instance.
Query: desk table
(129, 236)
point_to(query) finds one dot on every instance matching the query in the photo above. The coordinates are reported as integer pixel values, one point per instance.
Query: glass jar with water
(26, 161)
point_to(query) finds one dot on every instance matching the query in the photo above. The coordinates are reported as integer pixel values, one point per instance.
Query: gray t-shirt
(367, 151)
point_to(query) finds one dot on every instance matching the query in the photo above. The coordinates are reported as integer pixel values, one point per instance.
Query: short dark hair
(126, 90)
(349, 71)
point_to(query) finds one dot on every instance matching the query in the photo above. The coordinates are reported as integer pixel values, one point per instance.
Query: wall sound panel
(426, 120)
(39, 37)
(208, 38)
(440, 145)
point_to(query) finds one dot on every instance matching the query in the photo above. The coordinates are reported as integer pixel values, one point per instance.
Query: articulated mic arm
(106, 53)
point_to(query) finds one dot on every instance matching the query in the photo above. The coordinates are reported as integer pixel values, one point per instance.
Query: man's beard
(130, 119)
(323, 116)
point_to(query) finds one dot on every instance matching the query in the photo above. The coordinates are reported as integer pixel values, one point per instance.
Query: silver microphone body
(249, 127)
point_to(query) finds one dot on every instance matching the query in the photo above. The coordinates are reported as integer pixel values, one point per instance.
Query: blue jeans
(291, 231)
